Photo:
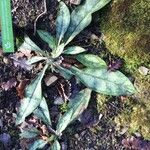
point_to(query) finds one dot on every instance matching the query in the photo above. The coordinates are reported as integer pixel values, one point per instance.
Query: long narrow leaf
(28, 44)
(81, 17)
(103, 81)
(33, 97)
(29, 133)
(62, 21)
(58, 51)
(72, 50)
(35, 59)
(56, 146)
(76, 107)
(48, 38)
(92, 61)
(42, 112)
(38, 144)
(67, 74)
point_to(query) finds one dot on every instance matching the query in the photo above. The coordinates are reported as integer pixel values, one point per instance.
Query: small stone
(123, 131)
(75, 2)
(143, 70)
(137, 134)
(76, 136)
(5, 60)
(1, 123)
(50, 79)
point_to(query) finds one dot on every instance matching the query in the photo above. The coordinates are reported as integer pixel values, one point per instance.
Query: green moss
(101, 103)
(126, 30)
(125, 24)
(137, 120)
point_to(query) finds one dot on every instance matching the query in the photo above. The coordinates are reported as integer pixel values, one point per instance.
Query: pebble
(143, 70)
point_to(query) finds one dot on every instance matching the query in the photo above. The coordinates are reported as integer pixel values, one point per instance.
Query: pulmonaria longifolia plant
(94, 75)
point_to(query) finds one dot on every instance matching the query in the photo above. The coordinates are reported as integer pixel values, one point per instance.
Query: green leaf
(29, 133)
(58, 51)
(75, 108)
(82, 16)
(38, 144)
(62, 21)
(56, 146)
(67, 74)
(30, 45)
(48, 38)
(74, 50)
(33, 98)
(42, 112)
(91, 61)
(35, 59)
(104, 81)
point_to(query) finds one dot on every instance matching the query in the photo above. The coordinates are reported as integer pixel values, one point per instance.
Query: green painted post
(6, 26)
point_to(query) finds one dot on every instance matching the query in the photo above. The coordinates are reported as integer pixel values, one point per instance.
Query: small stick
(44, 12)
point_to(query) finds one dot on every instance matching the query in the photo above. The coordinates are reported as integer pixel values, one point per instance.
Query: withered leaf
(9, 84)
(136, 144)
(21, 62)
(21, 88)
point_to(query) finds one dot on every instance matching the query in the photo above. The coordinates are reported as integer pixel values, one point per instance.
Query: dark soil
(25, 13)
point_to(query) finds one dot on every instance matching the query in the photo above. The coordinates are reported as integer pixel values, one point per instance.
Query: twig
(44, 12)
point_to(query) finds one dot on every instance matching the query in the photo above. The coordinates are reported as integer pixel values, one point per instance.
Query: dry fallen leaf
(21, 88)
(20, 62)
(1, 52)
(9, 84)
(26, 52)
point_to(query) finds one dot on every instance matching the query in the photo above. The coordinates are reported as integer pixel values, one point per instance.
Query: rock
(75, 2)
(143, 70)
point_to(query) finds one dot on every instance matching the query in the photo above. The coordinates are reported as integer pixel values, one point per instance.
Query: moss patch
(126, 30)
(125, 25)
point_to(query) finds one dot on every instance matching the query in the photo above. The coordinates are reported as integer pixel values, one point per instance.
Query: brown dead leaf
(19, 55)
(38, 67)
(20, 62)
(26, 53)
(21, 88)
(9, 84)
(1, 52)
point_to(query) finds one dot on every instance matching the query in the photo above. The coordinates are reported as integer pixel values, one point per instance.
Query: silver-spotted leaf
(75, 108)
(72, 50)
(82, 16)
(35, 59)
(38, 144)
(91, 61)
(42, 112)
(28, 44)
(56, 146)
(103, 81)
(48, 38)
(29, 133)
(33, 98)
(62, 21)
